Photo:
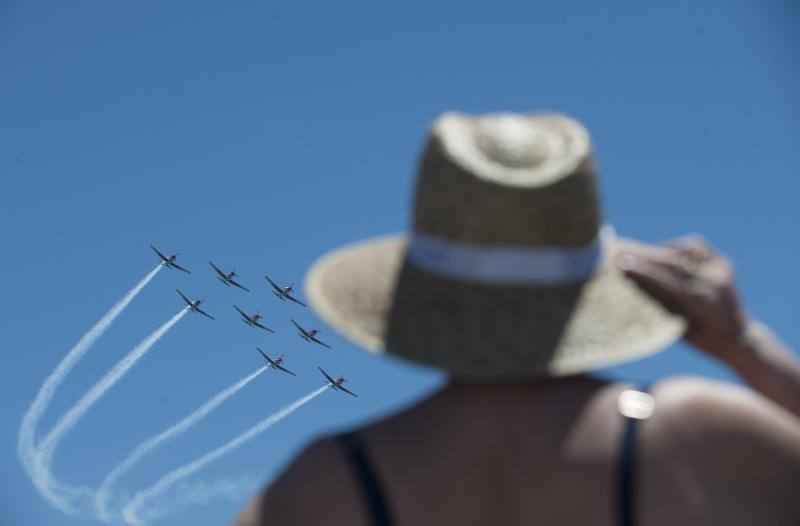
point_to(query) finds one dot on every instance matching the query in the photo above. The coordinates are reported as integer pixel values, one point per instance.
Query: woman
(511, 284)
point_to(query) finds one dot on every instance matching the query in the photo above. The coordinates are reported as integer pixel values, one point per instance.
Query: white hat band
(506, 264)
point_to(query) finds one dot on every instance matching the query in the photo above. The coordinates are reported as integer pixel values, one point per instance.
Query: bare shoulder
(708, 406)
(711, 441)
(316, 486)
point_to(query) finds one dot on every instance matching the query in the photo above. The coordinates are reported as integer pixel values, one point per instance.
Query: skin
(545, 452)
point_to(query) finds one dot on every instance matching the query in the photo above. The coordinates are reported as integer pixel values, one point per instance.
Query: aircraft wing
(245, 316)
(315, 340)
(178, 267)
(187, 300)
(267, 358)
(221, 274)
(204, 313)
(351, 393)
(292, 298)
(327, 376)
(261, 326)
(284, 369)
(274, 285)
(162, 256)
(298, 326)
(238, 285)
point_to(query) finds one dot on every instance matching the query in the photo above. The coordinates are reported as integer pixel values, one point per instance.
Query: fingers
(679, 264)
(659, 279)
(693, 245)
(691, 279)
(683, 256)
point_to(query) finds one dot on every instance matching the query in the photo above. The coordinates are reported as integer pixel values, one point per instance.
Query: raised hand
(694, 281)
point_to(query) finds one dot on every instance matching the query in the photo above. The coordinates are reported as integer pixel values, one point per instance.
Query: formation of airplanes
(283, 293)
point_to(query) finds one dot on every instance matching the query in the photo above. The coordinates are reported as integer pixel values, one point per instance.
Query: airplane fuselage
(308, 336)
(284, 292)
(228, 278)
(339, 382)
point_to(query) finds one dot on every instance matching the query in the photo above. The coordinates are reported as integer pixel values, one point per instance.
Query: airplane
(336, 384)
(276, 363)
(309, 335)
(169, 261)
(227, 278)
(252, 320)
(195, 305)
(284, 293)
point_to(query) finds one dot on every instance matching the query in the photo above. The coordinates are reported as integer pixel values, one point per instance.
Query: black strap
(626, 472)
(366, 476)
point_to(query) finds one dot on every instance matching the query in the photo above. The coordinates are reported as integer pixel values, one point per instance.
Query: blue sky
(262, 134)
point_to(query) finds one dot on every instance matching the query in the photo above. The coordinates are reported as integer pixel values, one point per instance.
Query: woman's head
(507, 273)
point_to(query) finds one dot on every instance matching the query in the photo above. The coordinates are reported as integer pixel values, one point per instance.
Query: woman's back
(549, 453)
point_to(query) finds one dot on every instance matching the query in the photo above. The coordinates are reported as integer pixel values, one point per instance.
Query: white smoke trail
(43, 455)
(131, 510)
(104, 490)
(193, 493)
(27, 431)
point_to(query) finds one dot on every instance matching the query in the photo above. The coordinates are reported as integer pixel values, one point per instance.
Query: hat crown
(508, 179)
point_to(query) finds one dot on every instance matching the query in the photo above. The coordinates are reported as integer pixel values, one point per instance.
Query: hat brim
(369, 293)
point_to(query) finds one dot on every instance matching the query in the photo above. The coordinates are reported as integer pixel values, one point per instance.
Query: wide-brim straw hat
(509, 272)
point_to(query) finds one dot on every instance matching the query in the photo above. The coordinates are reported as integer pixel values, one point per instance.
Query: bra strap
(365, 475)
(626, 469)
